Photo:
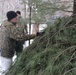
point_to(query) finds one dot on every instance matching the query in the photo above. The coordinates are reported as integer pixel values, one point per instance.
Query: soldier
(21, 23)
(9, 34)
(23, 28)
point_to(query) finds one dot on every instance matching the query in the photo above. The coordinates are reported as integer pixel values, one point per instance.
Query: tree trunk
(35, 28)
(74, 12)
(29, 22)
(74, 7)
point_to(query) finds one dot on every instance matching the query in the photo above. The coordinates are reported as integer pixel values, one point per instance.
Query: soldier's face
(14, 20)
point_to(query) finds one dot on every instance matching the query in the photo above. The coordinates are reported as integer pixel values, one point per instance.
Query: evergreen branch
(68, 61)
(55, 7)
(69, 71)
(65, 24)
(63, 52)
(61, 9)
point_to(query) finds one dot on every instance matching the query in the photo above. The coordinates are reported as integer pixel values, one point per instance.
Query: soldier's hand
(39, 33)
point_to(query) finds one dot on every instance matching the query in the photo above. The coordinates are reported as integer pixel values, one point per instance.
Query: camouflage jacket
(22, 26)
(9, 34)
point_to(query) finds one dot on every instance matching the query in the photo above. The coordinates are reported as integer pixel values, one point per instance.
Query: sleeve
(17, 35)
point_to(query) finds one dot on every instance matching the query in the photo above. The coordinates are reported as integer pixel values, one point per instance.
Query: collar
(13, 23)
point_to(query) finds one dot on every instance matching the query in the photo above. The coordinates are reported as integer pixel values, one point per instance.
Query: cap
(11, 15)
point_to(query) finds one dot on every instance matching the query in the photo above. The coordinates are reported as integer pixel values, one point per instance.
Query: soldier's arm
(17, 35)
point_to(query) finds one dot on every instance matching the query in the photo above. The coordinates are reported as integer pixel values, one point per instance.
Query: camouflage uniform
(21, 25)
(9, 34)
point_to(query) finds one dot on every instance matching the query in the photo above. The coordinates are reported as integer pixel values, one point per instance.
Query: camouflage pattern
(22, 24)
(9, 34)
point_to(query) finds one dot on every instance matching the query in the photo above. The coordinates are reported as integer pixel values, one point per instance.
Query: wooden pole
(30, 23)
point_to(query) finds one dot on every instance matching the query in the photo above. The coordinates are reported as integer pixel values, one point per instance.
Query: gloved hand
(39, 33)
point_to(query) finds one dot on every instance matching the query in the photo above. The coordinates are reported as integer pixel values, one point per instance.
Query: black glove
(39, 33)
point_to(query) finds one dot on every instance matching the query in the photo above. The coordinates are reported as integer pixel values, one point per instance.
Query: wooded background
(41, 10)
